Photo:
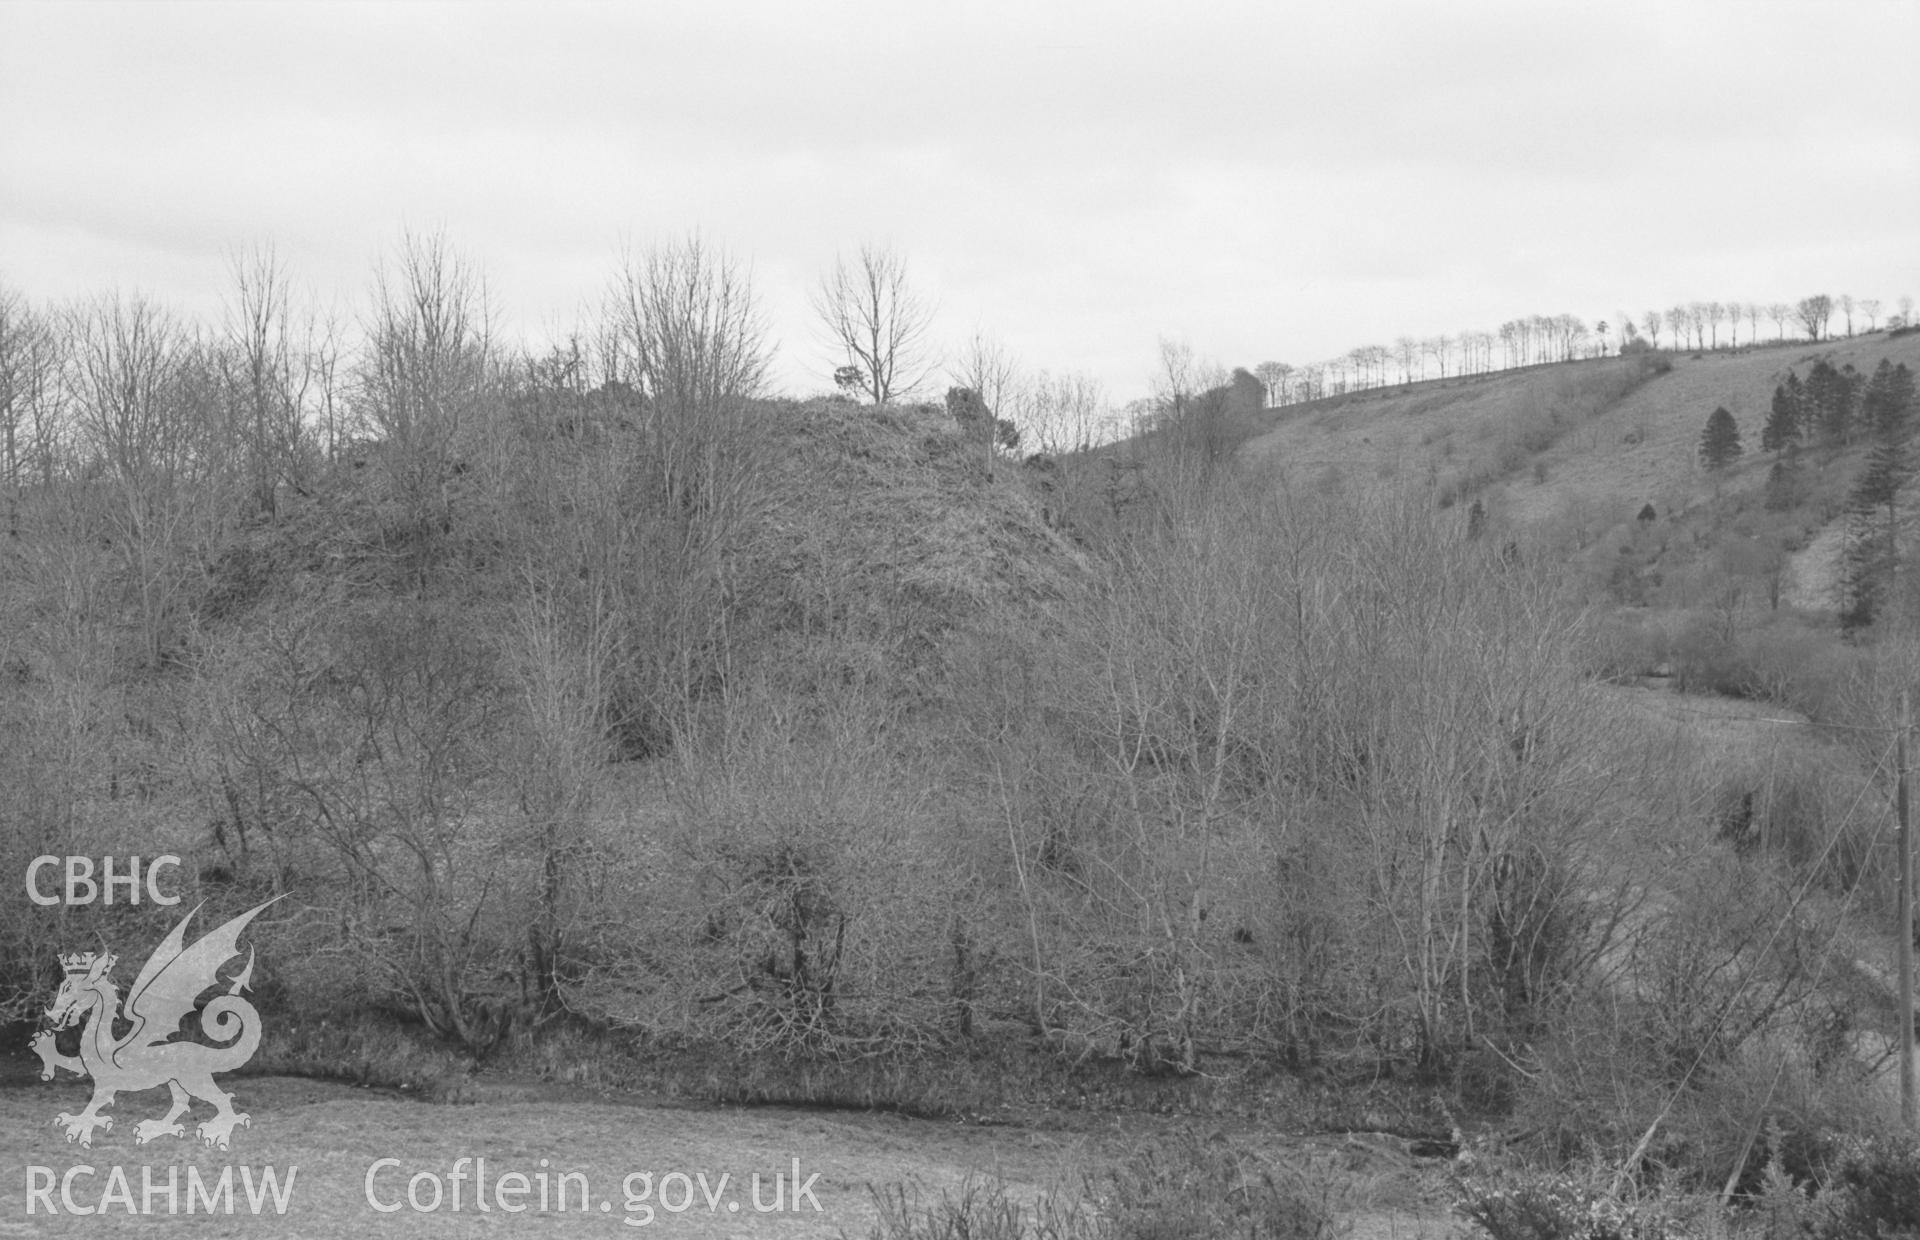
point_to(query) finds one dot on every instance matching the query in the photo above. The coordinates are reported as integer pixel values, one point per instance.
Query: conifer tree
(1720, 441)
(1887, 401)
(1872, 557)
(1830, 402)
(1784, 488)
(1783, 426)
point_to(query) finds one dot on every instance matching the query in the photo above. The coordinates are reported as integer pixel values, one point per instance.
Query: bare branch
(877, 322)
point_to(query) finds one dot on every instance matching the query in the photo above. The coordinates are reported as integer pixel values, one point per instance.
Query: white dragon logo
(144, 1058)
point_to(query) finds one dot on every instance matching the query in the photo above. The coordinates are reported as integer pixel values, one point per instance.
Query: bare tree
(1174, 384)
(1677, 324)
(1906, 310)
(1813, 313)
(1193, 415)
(1571, 332)
(31, 358)
(1061, 413)
(1870, 308)
(561, 663)
(665, 506)
(128, 349)
(687, 328)
(1274, 375)
(143, 387)
(1845, 302)
(985, 366)
(1002, 397)
(425, 369)
(269, 370)
(1374, 359)
(1081, 403)
(1697, 321)
(324, 358)
(48, 398)
(1651, 325)
(1779, 312)
(15, 326)
(1753, 311)
(688, 334)
(1476, 351)
(877, 322)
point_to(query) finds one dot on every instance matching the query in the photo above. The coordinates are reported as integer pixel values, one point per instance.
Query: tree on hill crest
(1813, 313)
(878, 322)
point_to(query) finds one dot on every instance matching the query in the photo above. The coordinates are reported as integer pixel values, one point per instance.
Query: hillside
(1600, 445)
(1569, 455)
(388, 684)
(1458, 432)
(752, 751)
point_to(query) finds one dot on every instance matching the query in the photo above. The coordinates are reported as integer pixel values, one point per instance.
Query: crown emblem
(78, 963)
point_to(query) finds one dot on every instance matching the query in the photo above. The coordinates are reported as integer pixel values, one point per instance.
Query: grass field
(335, 1134)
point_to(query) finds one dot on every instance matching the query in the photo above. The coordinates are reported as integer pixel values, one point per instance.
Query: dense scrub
(810, 734)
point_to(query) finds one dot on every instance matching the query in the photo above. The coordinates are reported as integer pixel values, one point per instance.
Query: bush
(1800, 665)
(1628, 645)
(1562, 1206)
(1776, 1112)
(1705, 661)
(1184, 1187)
(1787, 660)
(1800, 804)
(796, 899)
(1876, 1195)
(982, 1209)
(1709, 985)
(1194, 1188)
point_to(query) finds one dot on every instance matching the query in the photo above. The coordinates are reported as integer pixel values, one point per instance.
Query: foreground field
(335, 1134)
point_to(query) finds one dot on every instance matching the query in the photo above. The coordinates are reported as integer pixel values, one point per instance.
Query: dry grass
(1667, 415)
(897, 500)
(1406, 434)
(334, 1133)
(1641, 449)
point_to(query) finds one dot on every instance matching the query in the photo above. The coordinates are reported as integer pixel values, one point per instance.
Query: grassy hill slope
(1645, 448)
(1592, 439)
(1566, 457)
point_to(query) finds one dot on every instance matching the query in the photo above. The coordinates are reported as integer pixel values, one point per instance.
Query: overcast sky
(1266, 181)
